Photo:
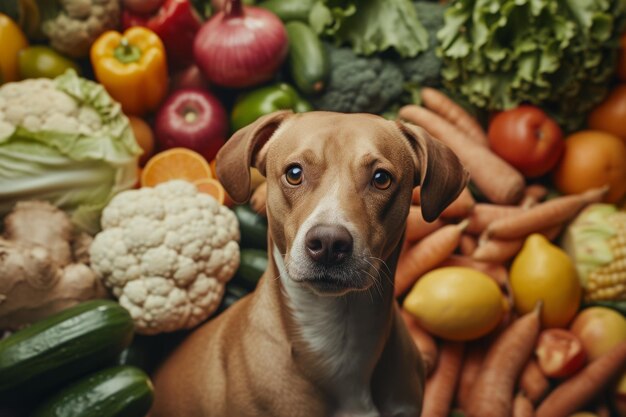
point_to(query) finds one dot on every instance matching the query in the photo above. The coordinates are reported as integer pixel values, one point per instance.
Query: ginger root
(43, 265)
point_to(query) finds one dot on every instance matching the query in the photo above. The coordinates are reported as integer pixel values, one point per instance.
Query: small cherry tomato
(559, 353)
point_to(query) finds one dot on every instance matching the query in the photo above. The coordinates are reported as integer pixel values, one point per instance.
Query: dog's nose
(328, 245)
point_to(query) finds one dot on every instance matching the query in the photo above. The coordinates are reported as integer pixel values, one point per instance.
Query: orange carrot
(423, 340)
(543, 215)
(417, 227)
(455, 114)
(484, 213)
(426, 255)
(575, 392)
(533, 382)
(461, 207)
(497, 272)
(497, 250)
(522, 407)
(492, 395)
(497, 179)
(474, 357)
(533, 194)
(468, 244)
(258, 201)
(441, 385)
(415, 197)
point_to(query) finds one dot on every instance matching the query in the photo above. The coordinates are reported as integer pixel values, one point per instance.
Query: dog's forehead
(330, 133)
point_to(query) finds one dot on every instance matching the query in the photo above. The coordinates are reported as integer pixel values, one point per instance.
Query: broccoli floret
(359, 84)
(425, 69)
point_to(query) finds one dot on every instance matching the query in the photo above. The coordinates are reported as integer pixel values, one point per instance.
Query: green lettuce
(558, 54)
(66, 141)
(371, 26)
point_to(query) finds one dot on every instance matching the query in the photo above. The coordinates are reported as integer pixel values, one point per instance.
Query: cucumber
(62, 347)
(253, 227)
(252, 264)
(121, 391)
(308, 60)
(288, 10)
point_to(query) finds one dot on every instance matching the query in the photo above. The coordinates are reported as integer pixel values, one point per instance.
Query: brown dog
(321, 335)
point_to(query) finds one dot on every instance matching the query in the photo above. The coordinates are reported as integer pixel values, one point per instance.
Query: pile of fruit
(112, 112)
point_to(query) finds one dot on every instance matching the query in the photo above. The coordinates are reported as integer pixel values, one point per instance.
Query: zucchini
(121, 391)
(308, 60)
(252, 264)
(63, 347)
(253, 227)
(288, 10)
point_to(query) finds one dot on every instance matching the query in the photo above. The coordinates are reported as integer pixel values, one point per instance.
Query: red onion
(241, 46)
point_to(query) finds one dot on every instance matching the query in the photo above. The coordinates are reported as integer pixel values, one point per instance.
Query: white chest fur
(344, 334)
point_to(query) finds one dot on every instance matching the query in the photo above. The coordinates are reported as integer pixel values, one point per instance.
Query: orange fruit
(609, 115)
(213, 188)
(175, 164)
(592, 159)
(143, 136)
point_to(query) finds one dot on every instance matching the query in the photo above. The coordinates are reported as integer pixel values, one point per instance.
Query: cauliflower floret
(166, 253)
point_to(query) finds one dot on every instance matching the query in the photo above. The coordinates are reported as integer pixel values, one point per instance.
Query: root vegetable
(484, 213)
(426, 255)
(423, 340)
(580, 389)
(461, 207)
(474, 357)
(544, 215)
(492, 394)
(533, 382)
(483, 165)
(443, 105)
(522, 406)
(441, 385)
(417, 228)
(41, 269)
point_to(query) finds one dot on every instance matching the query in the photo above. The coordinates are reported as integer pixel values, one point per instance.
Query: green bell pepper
(256, 103)
(43, 62)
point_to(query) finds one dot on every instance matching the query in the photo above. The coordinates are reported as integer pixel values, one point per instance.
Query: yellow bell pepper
(12, 40)
(132, 67)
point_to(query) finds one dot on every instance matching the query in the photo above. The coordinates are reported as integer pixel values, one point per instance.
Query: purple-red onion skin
(241, 51)
(205, 134)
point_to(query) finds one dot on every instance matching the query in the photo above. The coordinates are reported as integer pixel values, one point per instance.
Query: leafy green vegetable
(65, 141)
(558, 54)
(371, 26)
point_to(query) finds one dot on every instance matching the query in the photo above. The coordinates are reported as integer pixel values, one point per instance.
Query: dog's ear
(244, 150)
(439, 173)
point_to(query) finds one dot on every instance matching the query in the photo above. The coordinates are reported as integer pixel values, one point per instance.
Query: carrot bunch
(497, 375)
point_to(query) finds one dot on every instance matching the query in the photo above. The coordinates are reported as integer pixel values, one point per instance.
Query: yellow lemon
(456, 303)
(543, 271)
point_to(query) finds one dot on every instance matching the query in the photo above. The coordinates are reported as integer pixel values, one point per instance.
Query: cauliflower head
(73, 25)
(166, 253)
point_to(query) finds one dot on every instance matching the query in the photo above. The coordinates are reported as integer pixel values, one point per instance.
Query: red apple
(193, 119)
(599, 329)
(527, 138)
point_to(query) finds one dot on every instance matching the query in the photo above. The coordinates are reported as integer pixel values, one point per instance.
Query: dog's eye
(381, 179)
(294, 175)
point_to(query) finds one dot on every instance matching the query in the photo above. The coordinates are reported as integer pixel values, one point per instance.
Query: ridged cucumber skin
(253, 227)
(252, 264)
(288, 10)
(308, 60)
(121, 391)
(63, 347)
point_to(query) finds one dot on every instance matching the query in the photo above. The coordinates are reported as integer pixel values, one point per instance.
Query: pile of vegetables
(515, 295)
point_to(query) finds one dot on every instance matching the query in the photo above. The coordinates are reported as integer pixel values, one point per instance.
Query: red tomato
(526, 138)
(559, 353)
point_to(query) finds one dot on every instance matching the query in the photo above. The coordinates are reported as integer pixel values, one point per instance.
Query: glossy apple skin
(193, 119)
(527, 138)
